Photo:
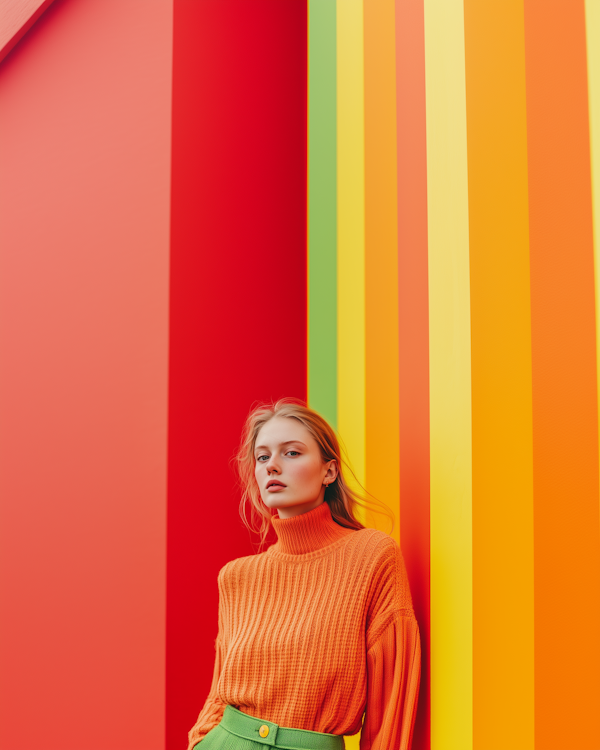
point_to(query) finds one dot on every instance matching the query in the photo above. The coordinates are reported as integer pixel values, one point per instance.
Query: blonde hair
(340, 496)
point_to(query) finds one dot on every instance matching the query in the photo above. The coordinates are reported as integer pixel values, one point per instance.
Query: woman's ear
(332, 471)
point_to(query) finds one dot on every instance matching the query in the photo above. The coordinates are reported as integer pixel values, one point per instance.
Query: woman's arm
(213, 708)
(393, 666)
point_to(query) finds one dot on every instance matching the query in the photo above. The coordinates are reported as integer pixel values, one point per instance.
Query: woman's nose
(272, 466)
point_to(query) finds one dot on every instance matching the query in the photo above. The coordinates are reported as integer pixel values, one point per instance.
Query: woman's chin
(291, 507)
(277, 502)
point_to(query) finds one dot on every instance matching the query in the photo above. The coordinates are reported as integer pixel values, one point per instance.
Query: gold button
(264, 730)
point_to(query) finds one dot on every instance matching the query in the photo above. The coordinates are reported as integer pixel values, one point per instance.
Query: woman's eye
(261, 457)
(295, 453)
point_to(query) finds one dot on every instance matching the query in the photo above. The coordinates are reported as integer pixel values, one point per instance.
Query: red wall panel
(16, 18)
(85, 103)
(238, 293)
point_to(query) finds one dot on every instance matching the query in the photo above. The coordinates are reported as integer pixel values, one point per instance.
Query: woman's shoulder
(232, 569)
(376, 546)
(389, 591)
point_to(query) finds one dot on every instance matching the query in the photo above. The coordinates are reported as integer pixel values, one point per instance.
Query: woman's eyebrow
(287, 442)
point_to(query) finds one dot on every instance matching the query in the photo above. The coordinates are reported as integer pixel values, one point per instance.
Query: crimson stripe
(414, 328)
(238, 293)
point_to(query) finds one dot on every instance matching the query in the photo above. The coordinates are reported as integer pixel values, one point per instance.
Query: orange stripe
(381, 260)
(565, 431)
(501, 376)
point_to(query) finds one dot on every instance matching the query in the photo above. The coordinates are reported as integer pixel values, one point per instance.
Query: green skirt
(238, 731)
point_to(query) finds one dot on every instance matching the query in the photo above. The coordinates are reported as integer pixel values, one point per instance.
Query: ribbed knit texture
(316, 630)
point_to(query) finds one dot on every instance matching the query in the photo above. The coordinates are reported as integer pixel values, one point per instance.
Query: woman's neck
(299, 510)
(308, 532)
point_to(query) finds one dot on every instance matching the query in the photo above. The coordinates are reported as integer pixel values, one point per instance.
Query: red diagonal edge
(16, 18)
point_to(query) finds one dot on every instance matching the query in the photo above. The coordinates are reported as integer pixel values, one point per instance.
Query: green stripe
(322, 209)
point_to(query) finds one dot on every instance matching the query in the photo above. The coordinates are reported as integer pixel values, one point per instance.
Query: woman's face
(289, 469)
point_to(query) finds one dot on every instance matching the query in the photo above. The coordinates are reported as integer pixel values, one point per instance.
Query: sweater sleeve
(393, 665)
(213, 708)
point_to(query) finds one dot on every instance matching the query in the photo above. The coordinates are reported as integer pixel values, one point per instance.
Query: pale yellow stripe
(592, 24)
(450, 379)
(351, 232)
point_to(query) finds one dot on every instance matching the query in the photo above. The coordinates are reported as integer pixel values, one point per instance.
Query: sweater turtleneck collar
(308, 531)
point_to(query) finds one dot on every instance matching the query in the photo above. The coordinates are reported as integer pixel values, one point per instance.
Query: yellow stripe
(450, 379)
(592, 23)
(381, 263)
(351, 232)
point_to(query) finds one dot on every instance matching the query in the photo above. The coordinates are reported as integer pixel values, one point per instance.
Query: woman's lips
(275, 487)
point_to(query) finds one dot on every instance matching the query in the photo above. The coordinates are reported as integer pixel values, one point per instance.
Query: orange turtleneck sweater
(317, 631)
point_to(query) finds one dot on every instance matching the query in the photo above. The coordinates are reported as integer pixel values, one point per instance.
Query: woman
(319, 629)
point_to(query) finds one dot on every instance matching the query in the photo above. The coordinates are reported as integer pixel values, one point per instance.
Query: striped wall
(453, 195)
(441, 309)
